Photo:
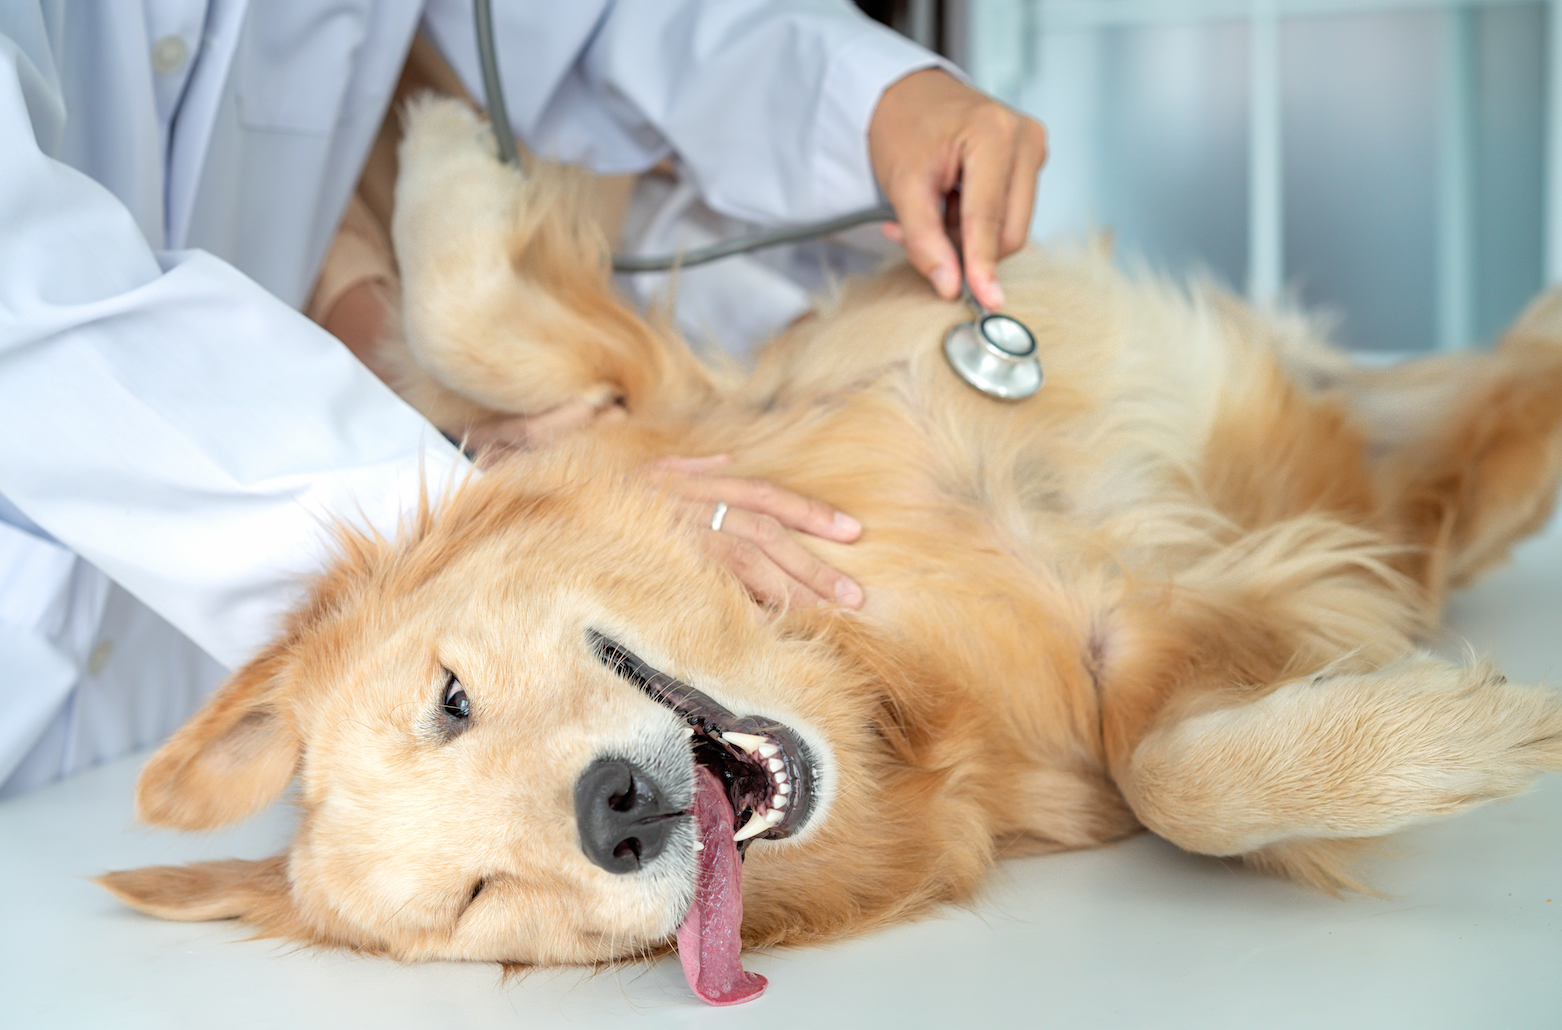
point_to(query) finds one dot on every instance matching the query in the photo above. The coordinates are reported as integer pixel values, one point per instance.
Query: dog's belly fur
(1009, 547)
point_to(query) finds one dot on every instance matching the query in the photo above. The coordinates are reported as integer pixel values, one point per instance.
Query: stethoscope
(994, 353)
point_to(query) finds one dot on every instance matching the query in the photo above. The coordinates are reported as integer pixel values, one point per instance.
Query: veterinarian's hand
(933, 137)
(755, 541)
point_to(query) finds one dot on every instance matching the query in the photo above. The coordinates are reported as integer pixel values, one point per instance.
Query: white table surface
(1133, 935)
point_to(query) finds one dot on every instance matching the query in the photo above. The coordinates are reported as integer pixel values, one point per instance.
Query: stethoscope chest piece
(997, 355)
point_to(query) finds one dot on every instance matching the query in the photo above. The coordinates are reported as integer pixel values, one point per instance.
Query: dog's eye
(454, 702)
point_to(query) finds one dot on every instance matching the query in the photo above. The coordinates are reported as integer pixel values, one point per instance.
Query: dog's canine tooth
(688, 732)
(783, 786)
(776, 765)
(768, 750)
(699, 845)
(749, 742)
(756, 825)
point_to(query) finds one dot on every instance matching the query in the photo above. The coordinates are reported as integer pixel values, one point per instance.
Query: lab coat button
(99, 656)
(168, 54)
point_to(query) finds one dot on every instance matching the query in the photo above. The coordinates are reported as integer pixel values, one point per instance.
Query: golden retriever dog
(1179, 589)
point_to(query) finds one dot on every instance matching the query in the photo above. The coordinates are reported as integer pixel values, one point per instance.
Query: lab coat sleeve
(764, 103)
(164, 416)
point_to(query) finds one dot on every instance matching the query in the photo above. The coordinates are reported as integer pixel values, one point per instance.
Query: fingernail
(846, 526)
(848, 593)
(995, 292)
(946, 281)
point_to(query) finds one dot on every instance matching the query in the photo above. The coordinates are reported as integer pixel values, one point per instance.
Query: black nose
(623, 820)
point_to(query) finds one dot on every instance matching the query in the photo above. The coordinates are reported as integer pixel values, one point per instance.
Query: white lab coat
(171, 172)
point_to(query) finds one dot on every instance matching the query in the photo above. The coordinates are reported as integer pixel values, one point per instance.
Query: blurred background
(1382, 160)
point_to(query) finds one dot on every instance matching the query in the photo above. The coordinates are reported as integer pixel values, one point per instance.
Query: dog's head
(529, 731)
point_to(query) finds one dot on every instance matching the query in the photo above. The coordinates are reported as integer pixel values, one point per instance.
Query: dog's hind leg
(1293, 778)
(1465, 449)
(1271, 705)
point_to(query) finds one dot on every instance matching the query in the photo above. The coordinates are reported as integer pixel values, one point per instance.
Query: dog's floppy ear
(239, 752)
(234, 757)
(230, 889)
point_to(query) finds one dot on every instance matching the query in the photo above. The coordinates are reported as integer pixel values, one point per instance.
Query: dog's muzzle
(768, 773)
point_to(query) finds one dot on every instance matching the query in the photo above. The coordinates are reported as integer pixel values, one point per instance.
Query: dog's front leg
(508, 299)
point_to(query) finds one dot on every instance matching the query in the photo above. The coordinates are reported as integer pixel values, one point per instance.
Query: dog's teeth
(784, 787)
(776, 765)
(749, 742)
(774, 816)
(768, 750)
(779, 801)
(756, 825)
(699, 845)
(688, 732)
(780, 776)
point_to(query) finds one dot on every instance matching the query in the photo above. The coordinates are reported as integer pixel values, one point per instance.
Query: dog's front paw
(439, 128)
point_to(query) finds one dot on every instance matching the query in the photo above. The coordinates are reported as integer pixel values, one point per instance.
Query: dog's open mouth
(753, 778)
(765, 770)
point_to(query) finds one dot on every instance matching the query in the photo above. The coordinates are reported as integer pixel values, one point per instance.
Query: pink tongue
(709, 944)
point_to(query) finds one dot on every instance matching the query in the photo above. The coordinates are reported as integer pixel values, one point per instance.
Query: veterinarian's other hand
(754, 540)
(933, 137)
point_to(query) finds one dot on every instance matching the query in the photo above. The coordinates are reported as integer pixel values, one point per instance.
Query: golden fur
(1181, 588)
